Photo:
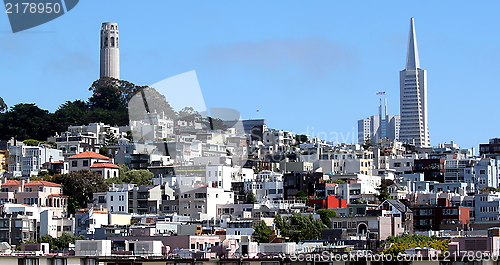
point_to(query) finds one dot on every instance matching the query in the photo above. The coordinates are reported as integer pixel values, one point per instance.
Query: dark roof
(399, 205)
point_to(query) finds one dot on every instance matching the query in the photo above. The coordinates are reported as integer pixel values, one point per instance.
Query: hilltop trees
(3, 106)
(113, 102)
(26, 121)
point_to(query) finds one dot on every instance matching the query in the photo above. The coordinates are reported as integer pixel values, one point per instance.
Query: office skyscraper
(383, 126)
(414, 127)
(110, 52)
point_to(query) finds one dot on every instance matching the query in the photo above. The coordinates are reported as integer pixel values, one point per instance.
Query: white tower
(110, 52)
(414, 128)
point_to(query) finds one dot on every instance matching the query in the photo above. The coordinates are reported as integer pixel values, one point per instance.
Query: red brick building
(442, 216)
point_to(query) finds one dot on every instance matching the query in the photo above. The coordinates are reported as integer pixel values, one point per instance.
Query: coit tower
(110, 50)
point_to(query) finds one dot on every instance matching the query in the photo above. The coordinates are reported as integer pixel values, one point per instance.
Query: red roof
(88, 154)
(58, 195)
(104, 165)
(32, 183)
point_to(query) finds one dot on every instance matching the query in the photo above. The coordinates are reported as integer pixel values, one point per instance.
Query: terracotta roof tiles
(88, 154)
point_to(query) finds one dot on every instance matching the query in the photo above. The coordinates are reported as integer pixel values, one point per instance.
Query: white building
(414, 128)
(154, 127)
(55, 226)
(28, 160)
(99, 130)
(85, 160)
(115, 200)
(267, 186)
(483, 173)
(201, 203)
(487, 207)
(218, 176)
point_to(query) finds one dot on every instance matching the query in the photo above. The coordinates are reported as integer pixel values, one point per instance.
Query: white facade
(414, 128)
(28, 160)
(85, 248)
(110, 50)
(483, 173)
(487, 207)
(218, 176)
(55, 226)
(267, 186)
(154, 127)
(98, 129)
(201, 203)
(115, 200)
(87, 221)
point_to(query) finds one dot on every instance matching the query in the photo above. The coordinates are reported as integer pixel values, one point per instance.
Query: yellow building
(4, 161)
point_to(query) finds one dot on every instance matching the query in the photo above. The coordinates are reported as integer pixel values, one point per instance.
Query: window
(74, 163)
(111, 198)
(85, 163)
(28, 262)
(59, 262)
(482, 172)
(450, 211)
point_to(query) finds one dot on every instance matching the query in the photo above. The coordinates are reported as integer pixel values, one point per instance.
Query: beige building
(40, 193)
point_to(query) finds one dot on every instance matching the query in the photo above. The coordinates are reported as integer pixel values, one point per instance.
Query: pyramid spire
(412, 61)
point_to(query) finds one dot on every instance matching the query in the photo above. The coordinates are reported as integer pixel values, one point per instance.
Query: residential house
(106, 170)
(27, 161)
(85, 160)
(38, 192)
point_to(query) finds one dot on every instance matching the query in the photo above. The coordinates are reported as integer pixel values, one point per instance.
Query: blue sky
(307, 66)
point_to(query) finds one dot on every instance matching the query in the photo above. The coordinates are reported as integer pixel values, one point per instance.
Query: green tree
(103, 150)
(488, 189)
(61, 242)
(301, 195)
(72, 113)
(368, 143)
(26, 121)
(251, 198)
(189, 114)
(139, 177)
(337, 181)
(31, 142)
(300, 138)
(109, 138)
(147, 99)
(383, 192)
(298, 227)
(325, 214)
(400, 244)
(261, 232)
(3, 106)
(80, 186)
